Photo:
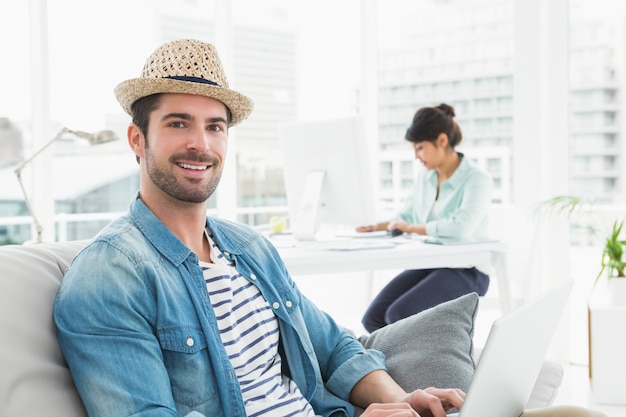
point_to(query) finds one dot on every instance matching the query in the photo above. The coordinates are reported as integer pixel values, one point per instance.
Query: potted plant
(614, 265)
(611, 263)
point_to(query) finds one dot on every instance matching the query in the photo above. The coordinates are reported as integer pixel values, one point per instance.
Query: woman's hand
(400, 225)
(405, 227)
(372, 227)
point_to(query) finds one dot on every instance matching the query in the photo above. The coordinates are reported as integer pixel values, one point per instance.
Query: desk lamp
(97, 138)
(10, 143)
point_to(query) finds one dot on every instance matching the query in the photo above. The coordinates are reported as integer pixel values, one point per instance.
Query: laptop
(514, 352)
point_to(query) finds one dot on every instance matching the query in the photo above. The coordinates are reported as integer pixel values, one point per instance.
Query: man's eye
(216, 128)
(177, 124)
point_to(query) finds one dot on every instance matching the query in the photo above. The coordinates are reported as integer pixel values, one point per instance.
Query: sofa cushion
(34, 379)
(433, 348)
(547, 385)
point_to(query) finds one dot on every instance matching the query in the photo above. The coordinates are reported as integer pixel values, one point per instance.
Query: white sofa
(34, 378)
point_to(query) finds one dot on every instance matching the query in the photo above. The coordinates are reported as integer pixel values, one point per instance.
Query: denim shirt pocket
(187, 361)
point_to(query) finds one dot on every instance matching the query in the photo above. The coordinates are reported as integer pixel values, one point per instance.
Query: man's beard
(165, 179)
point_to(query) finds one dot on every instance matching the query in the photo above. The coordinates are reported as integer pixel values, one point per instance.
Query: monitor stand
(304, 218)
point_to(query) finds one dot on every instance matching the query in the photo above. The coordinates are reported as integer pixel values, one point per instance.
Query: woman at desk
(450, 199)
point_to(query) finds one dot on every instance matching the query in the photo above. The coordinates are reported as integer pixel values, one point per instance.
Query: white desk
(312, 258)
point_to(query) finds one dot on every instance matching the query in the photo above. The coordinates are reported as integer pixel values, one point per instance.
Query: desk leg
(504, 286)
(370, 288)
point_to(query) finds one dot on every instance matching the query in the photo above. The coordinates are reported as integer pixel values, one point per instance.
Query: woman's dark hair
(429, 122)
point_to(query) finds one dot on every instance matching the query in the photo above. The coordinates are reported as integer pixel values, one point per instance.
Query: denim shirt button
(288, 303)
(253, 277)
(275, 305)
(190, 342)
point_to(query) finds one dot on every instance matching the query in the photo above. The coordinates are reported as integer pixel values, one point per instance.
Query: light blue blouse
(462, 206)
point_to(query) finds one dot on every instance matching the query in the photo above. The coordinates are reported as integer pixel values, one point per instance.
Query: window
(470, 65)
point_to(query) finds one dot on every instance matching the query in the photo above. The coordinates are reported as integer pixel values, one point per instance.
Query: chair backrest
(34, 378)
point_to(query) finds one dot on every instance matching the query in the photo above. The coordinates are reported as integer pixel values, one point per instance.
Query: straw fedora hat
(185, 66)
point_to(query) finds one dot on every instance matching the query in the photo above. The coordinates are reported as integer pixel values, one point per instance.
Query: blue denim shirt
(139, 334)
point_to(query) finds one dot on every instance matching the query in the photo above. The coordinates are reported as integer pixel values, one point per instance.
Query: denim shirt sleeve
(105, 323)
(340, 358)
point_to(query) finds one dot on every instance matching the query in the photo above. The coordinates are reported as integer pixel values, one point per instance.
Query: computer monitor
(328, 176)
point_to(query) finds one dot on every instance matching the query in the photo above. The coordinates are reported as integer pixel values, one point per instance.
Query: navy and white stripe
(249, 332)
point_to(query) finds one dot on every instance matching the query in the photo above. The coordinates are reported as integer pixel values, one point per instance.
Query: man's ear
(136, 140)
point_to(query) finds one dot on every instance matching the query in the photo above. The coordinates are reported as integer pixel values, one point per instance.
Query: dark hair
(142, 108)
(429, 122)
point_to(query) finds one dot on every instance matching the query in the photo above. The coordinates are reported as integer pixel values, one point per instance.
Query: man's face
(184, 152)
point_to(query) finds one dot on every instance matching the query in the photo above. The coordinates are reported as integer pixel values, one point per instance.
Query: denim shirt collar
(155, 231)
(172, 248)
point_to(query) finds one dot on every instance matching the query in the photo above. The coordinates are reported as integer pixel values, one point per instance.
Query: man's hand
(389, 410)
(431, 402)
(435, 402)
(384, 397)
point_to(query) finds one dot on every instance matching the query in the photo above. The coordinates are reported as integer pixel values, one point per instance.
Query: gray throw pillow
(432, 348)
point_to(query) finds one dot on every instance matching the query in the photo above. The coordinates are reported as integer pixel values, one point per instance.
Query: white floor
(576, 390)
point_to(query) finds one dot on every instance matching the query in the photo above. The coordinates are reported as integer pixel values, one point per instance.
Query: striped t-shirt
(249, 332)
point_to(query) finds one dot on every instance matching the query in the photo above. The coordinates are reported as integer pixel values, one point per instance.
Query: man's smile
(194, 167)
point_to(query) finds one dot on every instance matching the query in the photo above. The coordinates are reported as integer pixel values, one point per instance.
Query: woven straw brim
(130, 91)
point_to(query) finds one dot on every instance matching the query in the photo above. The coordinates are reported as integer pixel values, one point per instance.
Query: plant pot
(617, 291)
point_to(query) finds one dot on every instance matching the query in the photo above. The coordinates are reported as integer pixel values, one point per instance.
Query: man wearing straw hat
(169, 312)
